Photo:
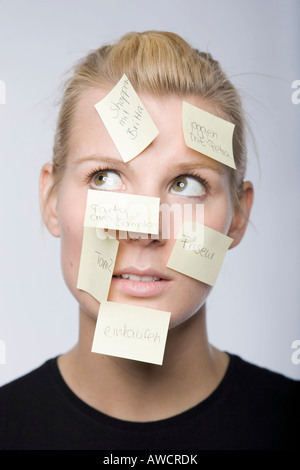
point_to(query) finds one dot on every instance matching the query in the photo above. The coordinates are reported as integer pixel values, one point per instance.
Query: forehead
(88, 135)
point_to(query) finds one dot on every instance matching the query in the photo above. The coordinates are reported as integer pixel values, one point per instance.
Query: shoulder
(261, 389)
(26, 391)
(27, 384)
(247, 371)
(261, 407)
(24, 399)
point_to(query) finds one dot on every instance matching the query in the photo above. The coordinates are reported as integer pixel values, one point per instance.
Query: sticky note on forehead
(201, 261)
(131, 332)
(97, 262)
(122, 211)
(208, 134)
(127, 120)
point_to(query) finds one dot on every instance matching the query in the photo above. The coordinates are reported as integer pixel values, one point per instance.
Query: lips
(137, 282)
(133, 277)
(138, 274)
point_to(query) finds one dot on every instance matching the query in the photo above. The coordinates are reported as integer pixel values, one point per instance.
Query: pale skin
(192, 368)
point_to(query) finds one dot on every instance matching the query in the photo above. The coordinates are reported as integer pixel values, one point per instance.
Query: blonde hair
(158, 63)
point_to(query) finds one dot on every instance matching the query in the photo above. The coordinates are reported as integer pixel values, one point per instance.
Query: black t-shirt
(252, 408)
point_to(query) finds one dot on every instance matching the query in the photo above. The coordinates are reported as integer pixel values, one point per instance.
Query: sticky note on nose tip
(127, 120)
(208, 134)
(201, 261)
(98, 256)
(122, 211)
(131, 332)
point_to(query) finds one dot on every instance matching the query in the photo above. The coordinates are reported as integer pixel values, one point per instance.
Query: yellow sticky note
(97, 262)
(208, 134)
(122, 211)
(127, 120)
(131, 332)
(201, 261)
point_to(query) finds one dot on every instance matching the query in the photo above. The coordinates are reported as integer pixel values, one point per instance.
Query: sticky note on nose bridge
(127, 120)
(122, 211)
(201, 261)
(208, 134)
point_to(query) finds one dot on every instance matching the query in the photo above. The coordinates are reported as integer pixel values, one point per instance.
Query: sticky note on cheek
(131, 332)
(201, 261)
(126, 119)
(96, 264)
(121, 211)
(208, 134)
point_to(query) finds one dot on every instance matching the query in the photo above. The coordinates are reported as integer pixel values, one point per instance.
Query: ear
(241, 215)
(48, 202)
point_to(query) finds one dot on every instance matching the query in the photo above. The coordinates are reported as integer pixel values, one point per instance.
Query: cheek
(192, 296)
(71, 216)
(71, 241)
(218, 216)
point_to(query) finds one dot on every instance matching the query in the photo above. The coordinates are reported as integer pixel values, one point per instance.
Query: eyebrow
(198, 165)
(183, 166)
(99, 158)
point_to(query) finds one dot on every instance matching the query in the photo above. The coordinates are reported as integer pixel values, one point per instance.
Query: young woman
(200, 398)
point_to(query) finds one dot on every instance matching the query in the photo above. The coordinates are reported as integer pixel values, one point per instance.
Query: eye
(106, 180)
(188, 186)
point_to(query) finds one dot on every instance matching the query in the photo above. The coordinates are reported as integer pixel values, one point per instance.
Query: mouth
(133, 277)
(140, 283)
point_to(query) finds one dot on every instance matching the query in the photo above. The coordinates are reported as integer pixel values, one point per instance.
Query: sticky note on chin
(208, 134)
(127, 120)
(131, 332)
(201, 261)
(121, 211)
(98, 256)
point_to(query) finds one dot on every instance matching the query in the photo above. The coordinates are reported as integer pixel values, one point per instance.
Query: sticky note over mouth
(127, 120)
(97, 262)
(208, 134)
(131, 332)
(201, 261)
(122, 211)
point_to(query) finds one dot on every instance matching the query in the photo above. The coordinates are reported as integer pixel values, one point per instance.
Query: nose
(147, 182)
(142, 239)
(169, 223)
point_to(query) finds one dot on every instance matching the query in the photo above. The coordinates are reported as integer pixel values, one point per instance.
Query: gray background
(254, 308)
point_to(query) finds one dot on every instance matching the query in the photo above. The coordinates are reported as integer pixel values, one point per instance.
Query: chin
(181, 309)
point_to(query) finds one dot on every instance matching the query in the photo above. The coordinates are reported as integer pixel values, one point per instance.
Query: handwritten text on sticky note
(122, 211)
(200, 261)
(131, 332)
(96, 264)
(208, 134)
(127, 120)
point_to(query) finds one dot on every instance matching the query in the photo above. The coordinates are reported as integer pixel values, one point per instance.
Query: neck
(138, 391)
